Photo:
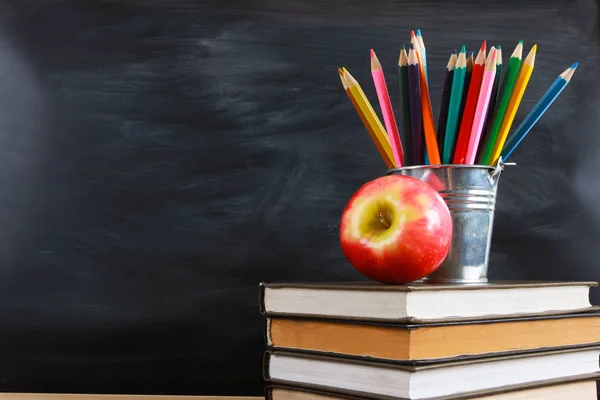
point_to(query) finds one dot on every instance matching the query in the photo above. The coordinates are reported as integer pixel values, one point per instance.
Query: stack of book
(499, 340)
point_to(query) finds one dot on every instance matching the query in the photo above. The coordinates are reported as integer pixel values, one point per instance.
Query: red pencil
(470, 105)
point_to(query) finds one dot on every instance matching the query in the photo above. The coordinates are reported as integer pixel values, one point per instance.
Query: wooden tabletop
(57, 396)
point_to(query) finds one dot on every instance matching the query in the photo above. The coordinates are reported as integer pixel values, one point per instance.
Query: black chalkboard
(158, 159)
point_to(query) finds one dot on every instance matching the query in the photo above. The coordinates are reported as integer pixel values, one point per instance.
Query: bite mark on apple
(383, 220)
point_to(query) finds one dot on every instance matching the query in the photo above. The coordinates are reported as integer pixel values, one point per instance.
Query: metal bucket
(470, 193)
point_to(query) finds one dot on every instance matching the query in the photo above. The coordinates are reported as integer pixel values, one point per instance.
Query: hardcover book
(423, 302)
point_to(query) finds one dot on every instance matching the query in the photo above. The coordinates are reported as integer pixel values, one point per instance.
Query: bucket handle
(495, 174)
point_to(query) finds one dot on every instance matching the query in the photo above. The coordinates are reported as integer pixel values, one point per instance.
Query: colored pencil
(537, 111)
(498, 76)
(506, 89)
(422, 56)
(423, 53)
(368, 117)
(466, 85)
(386, 110)
(494, 95)
(405, 133)
(441, 132)
(493, 101)
(483, 102)
(417, 42)
(415, 107)
(456, 95)
(468, 114)
(470, 62)
(513, 104)
(427, 113)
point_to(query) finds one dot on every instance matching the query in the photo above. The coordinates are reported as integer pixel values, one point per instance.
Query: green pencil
(458, 80)
(405, 110)
(503, 98)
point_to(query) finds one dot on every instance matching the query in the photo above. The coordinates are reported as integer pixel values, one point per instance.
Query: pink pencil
(386, 110)
(482, 105)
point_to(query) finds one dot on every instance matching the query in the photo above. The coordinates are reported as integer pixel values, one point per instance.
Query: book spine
(266, 360)
(261, 299)
(268, 339)
(268, 392)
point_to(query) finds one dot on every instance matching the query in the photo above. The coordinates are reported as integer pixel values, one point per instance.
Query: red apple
(396, 229)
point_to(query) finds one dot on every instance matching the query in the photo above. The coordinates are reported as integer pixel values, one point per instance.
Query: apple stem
(383, 220)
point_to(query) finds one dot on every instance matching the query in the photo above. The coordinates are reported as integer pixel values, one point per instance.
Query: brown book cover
(369, 286)
(549, 384)
(432, 342)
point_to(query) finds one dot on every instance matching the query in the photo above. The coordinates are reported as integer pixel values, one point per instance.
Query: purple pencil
(414, 97)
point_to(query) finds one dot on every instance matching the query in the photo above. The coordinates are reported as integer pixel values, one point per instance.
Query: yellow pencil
(369, 118)
(513, 103)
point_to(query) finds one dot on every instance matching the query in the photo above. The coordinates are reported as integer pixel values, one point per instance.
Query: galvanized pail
(470, 193)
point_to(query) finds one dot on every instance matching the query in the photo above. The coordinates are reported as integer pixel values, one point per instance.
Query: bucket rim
(500, 166)
(445, 166)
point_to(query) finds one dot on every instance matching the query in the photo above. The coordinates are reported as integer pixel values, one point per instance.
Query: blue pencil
(537, 111)
(424, 58)
(423, 53)
(416, 121)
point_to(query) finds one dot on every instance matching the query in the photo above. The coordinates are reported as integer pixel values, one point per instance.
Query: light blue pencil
(423, 53)
(424, 58)
(537, 111)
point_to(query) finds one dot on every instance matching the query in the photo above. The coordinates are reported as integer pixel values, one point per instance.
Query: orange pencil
(470, 106)
(433, 151)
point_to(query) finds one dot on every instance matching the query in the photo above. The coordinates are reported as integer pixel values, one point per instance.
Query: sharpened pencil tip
(520, 42)
(418, 32)
(534, 48)
(403, 48)
(463, 49)
(454, 51)
(568, 73)
(498, 47)
(483, 46)
(412, 34)
(372, 53)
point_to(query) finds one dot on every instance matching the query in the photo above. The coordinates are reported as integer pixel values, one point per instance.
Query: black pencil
(441, 132)
(405, 102)
(416, 121)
